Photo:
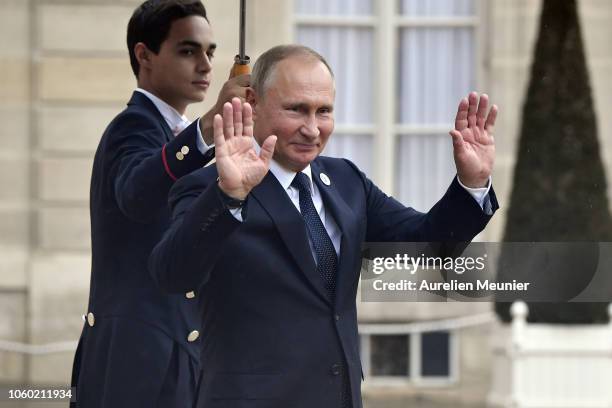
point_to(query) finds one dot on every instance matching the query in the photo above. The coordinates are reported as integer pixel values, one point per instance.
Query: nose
(310, 128)
(205, 64)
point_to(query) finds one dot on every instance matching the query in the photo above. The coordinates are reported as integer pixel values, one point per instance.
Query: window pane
(438, 7)
(334, 7)
(425, 169)
(436, 71)
(435, 354)
(349, 52)
(389, 355)
(356, 148)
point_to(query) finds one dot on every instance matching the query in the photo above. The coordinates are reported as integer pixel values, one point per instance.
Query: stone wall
(65, 73)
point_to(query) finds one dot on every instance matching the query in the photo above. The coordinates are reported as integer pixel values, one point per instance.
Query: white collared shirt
(175, 120)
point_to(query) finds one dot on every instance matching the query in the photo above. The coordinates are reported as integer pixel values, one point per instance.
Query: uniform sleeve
(144, 167)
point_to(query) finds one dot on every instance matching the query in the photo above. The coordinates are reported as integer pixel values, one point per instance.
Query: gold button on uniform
(193, 336)
(179, 156)
(185, 150)
(91, 320)
(190, 295)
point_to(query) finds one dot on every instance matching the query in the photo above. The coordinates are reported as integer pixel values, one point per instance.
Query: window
(343, 32)
(435, 354)
(401, 68)
(390, 357)
(437, 58)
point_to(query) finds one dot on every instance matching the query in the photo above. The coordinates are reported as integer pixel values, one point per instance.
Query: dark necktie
(327, 260)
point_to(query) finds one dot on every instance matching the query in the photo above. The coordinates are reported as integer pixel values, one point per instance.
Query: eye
(187, 52)
(325, 112)
(210, 55)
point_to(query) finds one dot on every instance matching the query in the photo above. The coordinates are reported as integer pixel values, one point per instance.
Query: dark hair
(265, 64)
(151, 22)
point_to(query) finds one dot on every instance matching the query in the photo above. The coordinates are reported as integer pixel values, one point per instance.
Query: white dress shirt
(175, 120)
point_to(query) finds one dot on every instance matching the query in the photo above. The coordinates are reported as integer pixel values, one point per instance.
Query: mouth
(305, 147)
(202, 84)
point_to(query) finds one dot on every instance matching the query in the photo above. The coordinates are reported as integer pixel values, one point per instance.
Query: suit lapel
(290, 224)
(343, 215)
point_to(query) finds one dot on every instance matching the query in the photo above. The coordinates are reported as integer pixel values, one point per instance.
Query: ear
(251, 98)
(143, 55)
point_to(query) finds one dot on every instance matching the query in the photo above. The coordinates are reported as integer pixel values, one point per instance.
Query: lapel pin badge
(325, 179)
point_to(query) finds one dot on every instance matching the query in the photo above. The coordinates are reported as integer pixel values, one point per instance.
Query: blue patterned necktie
(327, 260)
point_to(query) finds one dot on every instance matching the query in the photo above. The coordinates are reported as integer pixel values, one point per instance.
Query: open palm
(240, 167)
(473, 142)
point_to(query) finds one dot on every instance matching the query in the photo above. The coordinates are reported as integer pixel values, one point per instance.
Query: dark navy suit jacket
(271, 337)
(137, 333)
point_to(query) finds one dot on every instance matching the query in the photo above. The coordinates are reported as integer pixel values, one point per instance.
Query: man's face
(180, 73)
(297, 107)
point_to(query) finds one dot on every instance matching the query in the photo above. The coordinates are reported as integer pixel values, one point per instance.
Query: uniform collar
(175, 120)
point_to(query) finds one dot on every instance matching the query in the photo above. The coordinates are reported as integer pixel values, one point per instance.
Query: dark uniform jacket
(139, 347)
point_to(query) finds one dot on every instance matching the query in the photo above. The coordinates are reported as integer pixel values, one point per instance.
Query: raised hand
(240, 168)
(232, 88)
(473, 142)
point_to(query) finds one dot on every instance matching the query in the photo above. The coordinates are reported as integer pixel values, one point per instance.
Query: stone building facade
(64, 73)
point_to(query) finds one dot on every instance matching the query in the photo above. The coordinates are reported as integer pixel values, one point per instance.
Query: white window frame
(387, 23)
(415, 377)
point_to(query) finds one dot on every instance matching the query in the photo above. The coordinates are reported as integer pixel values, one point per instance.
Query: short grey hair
(264, 67)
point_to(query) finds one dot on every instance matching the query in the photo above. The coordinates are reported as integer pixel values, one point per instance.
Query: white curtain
(349, 51)
(356, 148)
(334, 7)
(438, 7)
(437, 69)
(425, 168)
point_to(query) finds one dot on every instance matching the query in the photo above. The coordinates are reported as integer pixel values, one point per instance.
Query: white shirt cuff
(202, 146)
(480, 194)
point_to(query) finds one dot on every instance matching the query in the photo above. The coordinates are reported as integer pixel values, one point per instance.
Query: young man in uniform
(139, 347)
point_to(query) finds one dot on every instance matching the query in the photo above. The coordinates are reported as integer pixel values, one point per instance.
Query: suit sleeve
(457, 217)
(144, 167)
(201, 226)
